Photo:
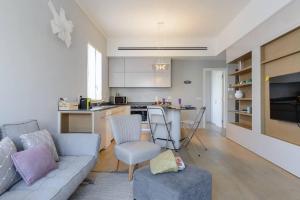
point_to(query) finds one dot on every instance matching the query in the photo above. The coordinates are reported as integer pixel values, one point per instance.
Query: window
(94, 83)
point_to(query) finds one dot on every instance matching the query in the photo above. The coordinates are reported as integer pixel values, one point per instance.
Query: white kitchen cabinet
(139, 65)
(138, 72)
(116, 79)
(162, 79)
(116, 72)
(116, 65)
(139, 79)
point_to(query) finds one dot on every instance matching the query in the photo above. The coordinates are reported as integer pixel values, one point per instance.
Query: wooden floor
(238, 174)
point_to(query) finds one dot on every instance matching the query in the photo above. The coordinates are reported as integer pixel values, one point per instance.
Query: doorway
(214, 96)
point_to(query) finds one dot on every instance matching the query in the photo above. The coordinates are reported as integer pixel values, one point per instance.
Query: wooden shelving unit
(242, 71)
(241, 112)
(241, 79)
(241, 85)
(244, 99)
(242, 125)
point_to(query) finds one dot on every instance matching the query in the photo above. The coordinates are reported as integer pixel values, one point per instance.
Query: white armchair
(129, 148)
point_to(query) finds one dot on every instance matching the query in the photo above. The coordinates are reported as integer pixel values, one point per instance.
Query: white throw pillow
(8, 173)
(39, 137)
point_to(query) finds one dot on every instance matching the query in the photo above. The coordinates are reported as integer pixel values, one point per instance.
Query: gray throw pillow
(8, 173)
(31, 140)
(14, 131)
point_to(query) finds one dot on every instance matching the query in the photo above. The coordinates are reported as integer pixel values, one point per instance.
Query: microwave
(119, 100)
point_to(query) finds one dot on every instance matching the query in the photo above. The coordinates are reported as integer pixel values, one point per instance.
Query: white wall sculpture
(60, 25)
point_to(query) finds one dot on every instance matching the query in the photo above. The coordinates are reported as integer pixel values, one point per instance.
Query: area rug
(106, 186)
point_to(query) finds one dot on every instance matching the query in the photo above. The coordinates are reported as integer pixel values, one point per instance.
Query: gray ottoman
(190, 184)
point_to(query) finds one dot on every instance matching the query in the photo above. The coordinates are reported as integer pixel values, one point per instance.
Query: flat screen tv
(285, 98)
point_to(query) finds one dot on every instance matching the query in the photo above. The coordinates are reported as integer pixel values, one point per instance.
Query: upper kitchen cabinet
(139, 65)
(116, 72)
(138, 72)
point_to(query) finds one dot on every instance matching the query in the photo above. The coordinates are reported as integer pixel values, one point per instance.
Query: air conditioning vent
(163, 48)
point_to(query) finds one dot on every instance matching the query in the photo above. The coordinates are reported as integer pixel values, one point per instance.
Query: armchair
(129, 148)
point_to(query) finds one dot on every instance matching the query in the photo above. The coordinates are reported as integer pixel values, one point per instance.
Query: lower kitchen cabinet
(90, 122)
(104, 124)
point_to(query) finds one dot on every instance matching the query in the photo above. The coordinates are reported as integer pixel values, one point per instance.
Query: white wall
(252, 15)
(281, 153)
(255, 13)
(283, 21)
(35, 67)
(181, 70)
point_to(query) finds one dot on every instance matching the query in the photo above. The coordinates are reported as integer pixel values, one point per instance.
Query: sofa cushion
(33, 139)
(8, 173)
(14, 131)
(58, 184)
(136, 152)
(43, 163)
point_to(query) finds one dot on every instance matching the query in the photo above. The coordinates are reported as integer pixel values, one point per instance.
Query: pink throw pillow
(34, 163)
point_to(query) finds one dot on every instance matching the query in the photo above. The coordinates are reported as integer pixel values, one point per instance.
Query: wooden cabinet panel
(100, 127)
(283, 46)
(280, 57)
(104, 124)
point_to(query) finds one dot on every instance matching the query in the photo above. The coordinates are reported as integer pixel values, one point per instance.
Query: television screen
(285, 97)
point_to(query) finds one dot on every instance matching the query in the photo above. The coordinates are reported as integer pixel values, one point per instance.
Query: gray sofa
(78, 155)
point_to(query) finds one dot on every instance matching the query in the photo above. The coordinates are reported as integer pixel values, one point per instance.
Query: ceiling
(220, 57)
(182, 18)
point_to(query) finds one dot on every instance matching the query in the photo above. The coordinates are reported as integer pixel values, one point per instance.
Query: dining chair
(192, 127)
(157, 118)
(129, 148)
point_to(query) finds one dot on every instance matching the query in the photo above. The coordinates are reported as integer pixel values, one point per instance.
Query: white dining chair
(129, 148)
(192, 128)
(157, 117)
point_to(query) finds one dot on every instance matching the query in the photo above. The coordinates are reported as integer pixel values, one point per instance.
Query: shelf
(241, 85)
(241, 113)
(244, 99)
(242, 125)
(242, 71)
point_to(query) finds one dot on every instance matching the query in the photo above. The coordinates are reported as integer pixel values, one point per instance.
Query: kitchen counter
(173, 114)
(94, 109)
(180, 108)
(94, 120)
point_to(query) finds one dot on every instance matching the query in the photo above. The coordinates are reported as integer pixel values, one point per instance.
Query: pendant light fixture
(161, 64)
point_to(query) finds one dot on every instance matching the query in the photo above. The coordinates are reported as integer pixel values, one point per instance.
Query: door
(217, 98)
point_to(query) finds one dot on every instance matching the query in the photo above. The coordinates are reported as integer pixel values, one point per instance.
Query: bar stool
(157, 117)
(193, 127)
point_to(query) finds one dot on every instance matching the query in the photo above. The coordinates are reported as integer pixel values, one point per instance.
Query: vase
(238, 94)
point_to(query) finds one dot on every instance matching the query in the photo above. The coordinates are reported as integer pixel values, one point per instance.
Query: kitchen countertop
(95, 109)
(180, 108)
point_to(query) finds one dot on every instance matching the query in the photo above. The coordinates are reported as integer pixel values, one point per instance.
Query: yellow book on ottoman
(164, 162)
